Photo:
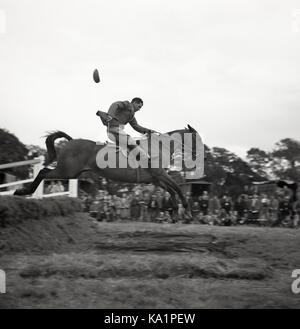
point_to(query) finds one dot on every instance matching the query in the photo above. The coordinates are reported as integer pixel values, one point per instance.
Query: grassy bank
(146, 265)
(14, 210)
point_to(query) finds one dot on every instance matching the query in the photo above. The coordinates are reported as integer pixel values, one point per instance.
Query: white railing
(39, 193)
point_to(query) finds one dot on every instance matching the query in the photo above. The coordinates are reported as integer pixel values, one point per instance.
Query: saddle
(116, 148)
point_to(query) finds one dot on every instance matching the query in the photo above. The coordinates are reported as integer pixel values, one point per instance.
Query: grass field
(77, 262)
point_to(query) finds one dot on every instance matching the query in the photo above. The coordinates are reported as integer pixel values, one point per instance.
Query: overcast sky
(229, 68)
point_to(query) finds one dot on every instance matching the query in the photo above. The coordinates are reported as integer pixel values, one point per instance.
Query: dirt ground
(76, 262)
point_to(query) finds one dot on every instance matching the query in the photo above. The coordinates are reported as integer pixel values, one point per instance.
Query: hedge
(14, 209)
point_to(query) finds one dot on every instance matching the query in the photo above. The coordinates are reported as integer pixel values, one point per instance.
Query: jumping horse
(80, 155)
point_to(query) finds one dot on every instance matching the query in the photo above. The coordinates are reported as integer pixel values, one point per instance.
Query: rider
(119, 114)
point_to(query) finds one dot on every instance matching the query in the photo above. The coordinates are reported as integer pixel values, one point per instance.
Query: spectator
(225, 213)
(162, 217)
(203, 204)
(109, 208)
(135, 206)
(196, 211)
(144, 200)
(181, 211)
(94, 209)
(159, 199)
(273, 209)
(241, 208)
(123, 207)
(117, 207)
(189, 200)
(284, 211)
(255, 207)
(296, 210)
(214, 207)
(127, 205)
(168, 206)
(226, 204)
(87, 203)
(153, 207)
(264, 207)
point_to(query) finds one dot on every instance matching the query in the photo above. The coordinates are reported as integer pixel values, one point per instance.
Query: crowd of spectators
(54, 187)
(156, 206)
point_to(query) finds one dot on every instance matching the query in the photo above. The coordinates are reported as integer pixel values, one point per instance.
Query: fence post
(73, 188)
(36, 169)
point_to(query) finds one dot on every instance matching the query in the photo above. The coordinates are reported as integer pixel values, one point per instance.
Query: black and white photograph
(149, 157)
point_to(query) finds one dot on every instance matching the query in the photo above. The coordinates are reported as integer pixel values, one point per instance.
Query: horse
(81, 155)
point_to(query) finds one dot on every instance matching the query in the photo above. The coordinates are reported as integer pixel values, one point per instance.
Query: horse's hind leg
(173, 199)
(170, 182)
(34, 185)
(172, 193)
(44, 173)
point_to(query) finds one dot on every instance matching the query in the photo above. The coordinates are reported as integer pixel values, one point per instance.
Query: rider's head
(137, 103)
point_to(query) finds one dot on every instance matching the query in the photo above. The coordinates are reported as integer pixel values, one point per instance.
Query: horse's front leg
(172, 186)
(172, 193)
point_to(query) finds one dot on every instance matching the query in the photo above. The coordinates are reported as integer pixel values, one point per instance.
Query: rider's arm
(139, 128)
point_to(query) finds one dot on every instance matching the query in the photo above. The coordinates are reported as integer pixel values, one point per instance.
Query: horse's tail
(51, 138)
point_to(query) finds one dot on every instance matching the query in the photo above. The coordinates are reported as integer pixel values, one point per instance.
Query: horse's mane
(177, 131)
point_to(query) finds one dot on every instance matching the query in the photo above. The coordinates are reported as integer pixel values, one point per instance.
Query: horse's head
(196, 146)
(198, 156)
(192, 147)
(190, 134)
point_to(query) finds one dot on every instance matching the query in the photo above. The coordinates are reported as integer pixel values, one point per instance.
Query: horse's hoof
(20, 191)
(188, 215)
(17, 192)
